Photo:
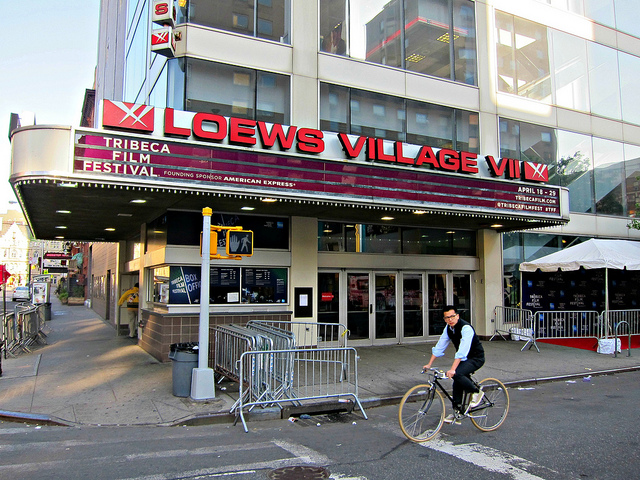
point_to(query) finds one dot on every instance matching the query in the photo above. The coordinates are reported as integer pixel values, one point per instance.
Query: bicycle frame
(435, 382)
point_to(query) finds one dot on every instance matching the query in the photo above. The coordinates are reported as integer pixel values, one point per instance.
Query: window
(268, 19)
(344, 237)
(371, 114)
(240, 92)
(632, 183)
(570, 71)
(180, 285)
(136, 61)
(523, 58)
(434, 37)
(608, 173)
(575, 170)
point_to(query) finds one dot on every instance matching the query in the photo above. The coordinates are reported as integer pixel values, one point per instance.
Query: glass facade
(359, 112)
(433, 37)
(595, 170)
(544, 64)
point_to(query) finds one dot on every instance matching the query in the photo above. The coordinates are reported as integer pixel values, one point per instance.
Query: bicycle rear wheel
(490, 414)
(421, 413)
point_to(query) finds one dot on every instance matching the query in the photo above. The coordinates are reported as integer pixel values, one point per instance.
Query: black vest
(476, 350)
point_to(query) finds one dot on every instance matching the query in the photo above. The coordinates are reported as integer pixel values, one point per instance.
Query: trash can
(47, 311)
(185, 359)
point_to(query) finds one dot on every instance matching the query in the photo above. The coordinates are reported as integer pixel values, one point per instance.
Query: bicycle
(422, 408)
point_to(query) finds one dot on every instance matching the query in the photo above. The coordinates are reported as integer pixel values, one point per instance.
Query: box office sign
(229, 285)
(150, 158)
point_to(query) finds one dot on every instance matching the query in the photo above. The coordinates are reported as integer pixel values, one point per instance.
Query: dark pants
(461, 381)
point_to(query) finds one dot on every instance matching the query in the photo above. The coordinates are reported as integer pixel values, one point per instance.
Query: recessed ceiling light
(248, 208)
(419, 212)
(68, 184)
(59, 237)
(268, 200)
(496, 225)
(138, 200)
(63, 211)
(110, 229)
(387, 218)
(451, 232)
(61, 227)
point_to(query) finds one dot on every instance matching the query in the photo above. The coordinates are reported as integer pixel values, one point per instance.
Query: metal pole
(202, 384)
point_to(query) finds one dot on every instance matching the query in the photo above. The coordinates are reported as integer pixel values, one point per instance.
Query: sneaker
(476, 399)
(451, 418)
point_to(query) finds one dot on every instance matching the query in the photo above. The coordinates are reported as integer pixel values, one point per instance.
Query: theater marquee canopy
(88, 184)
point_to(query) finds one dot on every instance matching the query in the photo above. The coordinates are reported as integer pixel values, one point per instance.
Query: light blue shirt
(444, 341)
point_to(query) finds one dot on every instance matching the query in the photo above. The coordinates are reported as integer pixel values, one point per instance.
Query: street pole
(202, 382)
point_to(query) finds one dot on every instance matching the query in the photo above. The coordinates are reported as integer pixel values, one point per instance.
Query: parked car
(21, 294)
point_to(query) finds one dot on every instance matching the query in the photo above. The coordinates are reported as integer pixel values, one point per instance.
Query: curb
(217, 418)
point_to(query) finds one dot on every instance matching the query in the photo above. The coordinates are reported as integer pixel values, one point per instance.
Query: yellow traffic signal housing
(213, 243)
(240, 242)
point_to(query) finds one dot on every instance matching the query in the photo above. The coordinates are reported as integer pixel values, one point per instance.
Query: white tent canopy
(594, 253)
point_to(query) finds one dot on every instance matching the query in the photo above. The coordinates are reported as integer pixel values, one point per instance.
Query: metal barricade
(514, 321)
(569, 324)
(612, 318)
(318, 374)
(228, 345)
(22, 329)
(312, 334)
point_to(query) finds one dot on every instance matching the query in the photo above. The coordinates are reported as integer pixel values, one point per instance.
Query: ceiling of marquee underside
(99, 212)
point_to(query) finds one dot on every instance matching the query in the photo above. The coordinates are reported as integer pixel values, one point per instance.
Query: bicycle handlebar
(436, 372)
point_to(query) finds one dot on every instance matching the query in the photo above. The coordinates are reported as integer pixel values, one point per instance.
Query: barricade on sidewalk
(22, 328)
(568, 324)
(317, 374)
(516, 323)
(311, 334)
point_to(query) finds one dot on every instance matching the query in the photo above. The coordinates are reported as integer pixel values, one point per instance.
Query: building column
(488, 280)
(304, 261)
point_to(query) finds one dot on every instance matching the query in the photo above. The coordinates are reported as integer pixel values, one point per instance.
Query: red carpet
(590, 343)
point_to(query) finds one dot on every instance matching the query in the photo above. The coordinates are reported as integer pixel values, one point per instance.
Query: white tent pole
(606, 302)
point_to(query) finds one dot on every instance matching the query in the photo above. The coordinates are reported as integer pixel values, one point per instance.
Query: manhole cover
(299, 473)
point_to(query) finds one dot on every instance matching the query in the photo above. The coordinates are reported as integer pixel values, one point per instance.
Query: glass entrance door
(385, 317)
(358, 306)
(412, 313)
(437, 301)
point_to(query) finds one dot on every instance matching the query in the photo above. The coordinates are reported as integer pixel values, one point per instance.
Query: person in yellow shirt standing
(131, 297)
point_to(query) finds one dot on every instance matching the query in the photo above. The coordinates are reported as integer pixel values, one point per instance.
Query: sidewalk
(86, 375)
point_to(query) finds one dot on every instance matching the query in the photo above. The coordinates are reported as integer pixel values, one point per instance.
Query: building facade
(390, 156)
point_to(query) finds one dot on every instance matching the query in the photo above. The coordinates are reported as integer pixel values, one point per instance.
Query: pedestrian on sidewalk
(469, 357)
(131, 297)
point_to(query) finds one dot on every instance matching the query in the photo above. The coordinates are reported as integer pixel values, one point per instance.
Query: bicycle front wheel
(490, 414)
(421, 413)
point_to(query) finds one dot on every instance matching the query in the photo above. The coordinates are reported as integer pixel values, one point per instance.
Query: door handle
(370, 308)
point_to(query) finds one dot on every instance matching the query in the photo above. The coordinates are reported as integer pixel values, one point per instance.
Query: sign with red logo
(537, 172)
(128, 116)
(164, 13)
(163, 42)
(326, 296)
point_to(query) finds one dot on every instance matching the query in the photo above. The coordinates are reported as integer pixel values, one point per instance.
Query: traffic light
(240, 242)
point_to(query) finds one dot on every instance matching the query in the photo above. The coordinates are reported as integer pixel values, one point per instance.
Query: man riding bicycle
(469, 357)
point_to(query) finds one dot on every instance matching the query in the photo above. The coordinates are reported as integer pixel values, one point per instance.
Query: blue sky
(48, 60)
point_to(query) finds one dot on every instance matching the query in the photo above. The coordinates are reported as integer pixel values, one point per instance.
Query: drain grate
(299, 472)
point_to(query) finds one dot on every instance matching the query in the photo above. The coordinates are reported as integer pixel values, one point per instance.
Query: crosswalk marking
(488, 459)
